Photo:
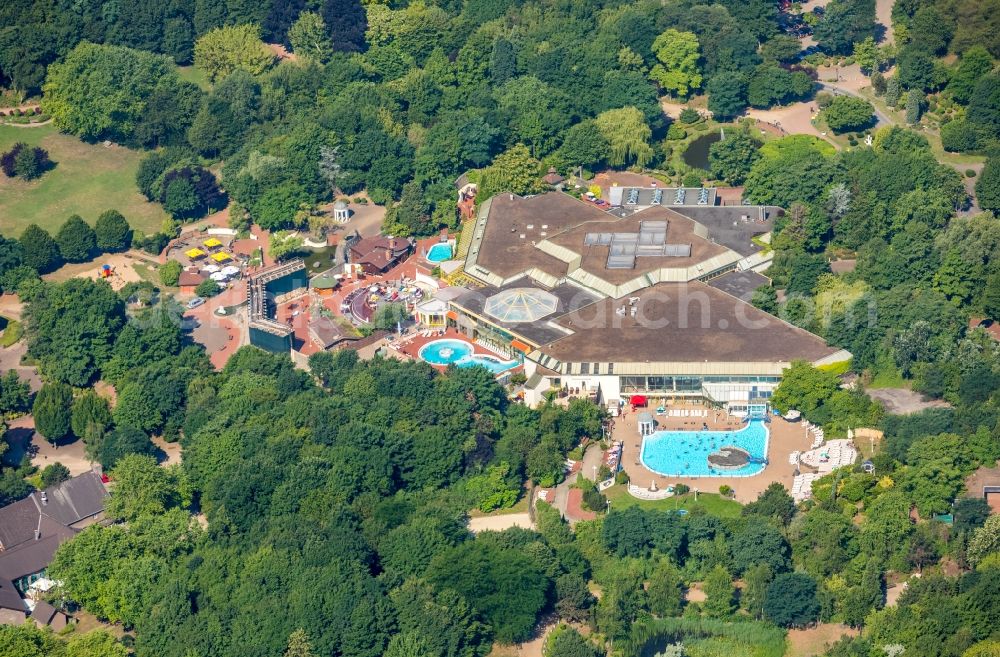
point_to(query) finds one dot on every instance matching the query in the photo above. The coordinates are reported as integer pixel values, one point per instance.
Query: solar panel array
(624, 248)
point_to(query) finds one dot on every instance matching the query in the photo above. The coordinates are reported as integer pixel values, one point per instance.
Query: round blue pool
(461, 354)
(439, 253)
(685, 453)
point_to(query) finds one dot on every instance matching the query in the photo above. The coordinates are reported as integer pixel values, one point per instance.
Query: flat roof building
(652, 300)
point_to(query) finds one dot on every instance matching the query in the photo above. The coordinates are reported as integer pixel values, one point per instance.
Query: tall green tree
(76, 240)
(677, 70)
(52, 411)
(988, 186)
(505, 585)
(309, 37)
(226, 49)
(112, 232)
(40, 251)
(102, 91)
(791, 600)
(627, 133)
(719, 593)
(72, 327)
(732, 158)
(665, 591)
(91, 415)
(727, 94)
(515, 171)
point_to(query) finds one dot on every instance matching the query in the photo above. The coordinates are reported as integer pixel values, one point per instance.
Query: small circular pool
(439, 253)
(445, 352)
(461, 354)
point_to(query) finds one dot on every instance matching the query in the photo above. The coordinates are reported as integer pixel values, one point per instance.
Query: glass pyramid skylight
(521, 304)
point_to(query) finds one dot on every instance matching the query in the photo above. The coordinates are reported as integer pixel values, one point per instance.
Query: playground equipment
(107, 271)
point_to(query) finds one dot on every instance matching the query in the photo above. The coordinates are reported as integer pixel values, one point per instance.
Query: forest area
(325, 513)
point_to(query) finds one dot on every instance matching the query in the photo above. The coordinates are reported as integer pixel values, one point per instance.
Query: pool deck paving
(784, 438)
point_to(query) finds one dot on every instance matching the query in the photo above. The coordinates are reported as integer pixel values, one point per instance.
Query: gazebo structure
(341, 212)
(647, 423)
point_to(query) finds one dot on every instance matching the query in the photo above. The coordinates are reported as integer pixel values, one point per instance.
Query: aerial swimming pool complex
(461, 354)
(686, 453)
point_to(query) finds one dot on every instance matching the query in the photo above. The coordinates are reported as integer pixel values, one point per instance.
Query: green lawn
(711, 503)
(195, 75)
(87, 180)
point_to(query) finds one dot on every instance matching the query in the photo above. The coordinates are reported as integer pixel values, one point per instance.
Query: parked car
(194, 303)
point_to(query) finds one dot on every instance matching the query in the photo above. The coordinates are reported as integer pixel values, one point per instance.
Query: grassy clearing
(888, 378)
(711, 503)
(195, 75)
(11, 331)
(87, 180)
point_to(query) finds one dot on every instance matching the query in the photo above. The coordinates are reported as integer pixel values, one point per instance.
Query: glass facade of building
(666, 384)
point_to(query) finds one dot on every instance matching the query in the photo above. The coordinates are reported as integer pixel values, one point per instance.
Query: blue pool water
(459, 353)
(439, 253)
(685, 453)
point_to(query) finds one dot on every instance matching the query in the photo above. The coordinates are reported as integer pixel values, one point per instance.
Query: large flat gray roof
(681, 322)
(733, 226)
(740, 284)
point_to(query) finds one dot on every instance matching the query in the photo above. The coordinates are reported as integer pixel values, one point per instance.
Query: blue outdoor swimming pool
(439, 253)
(459, 353)
(685, 453)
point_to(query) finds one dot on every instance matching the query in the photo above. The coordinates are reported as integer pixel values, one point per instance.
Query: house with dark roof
(378, 254)
(33, 528)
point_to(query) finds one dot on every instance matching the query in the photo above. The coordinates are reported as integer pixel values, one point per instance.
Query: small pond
(696, 154)
(318, 260)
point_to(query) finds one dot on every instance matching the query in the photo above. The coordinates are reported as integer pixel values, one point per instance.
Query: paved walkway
(21, 435)
(11, 358)
(221, 335)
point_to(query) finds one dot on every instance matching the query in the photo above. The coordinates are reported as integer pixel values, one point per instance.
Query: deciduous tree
(677, 71)
(791, 600)
(226, 49)
(628, 135)
(310, 38)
